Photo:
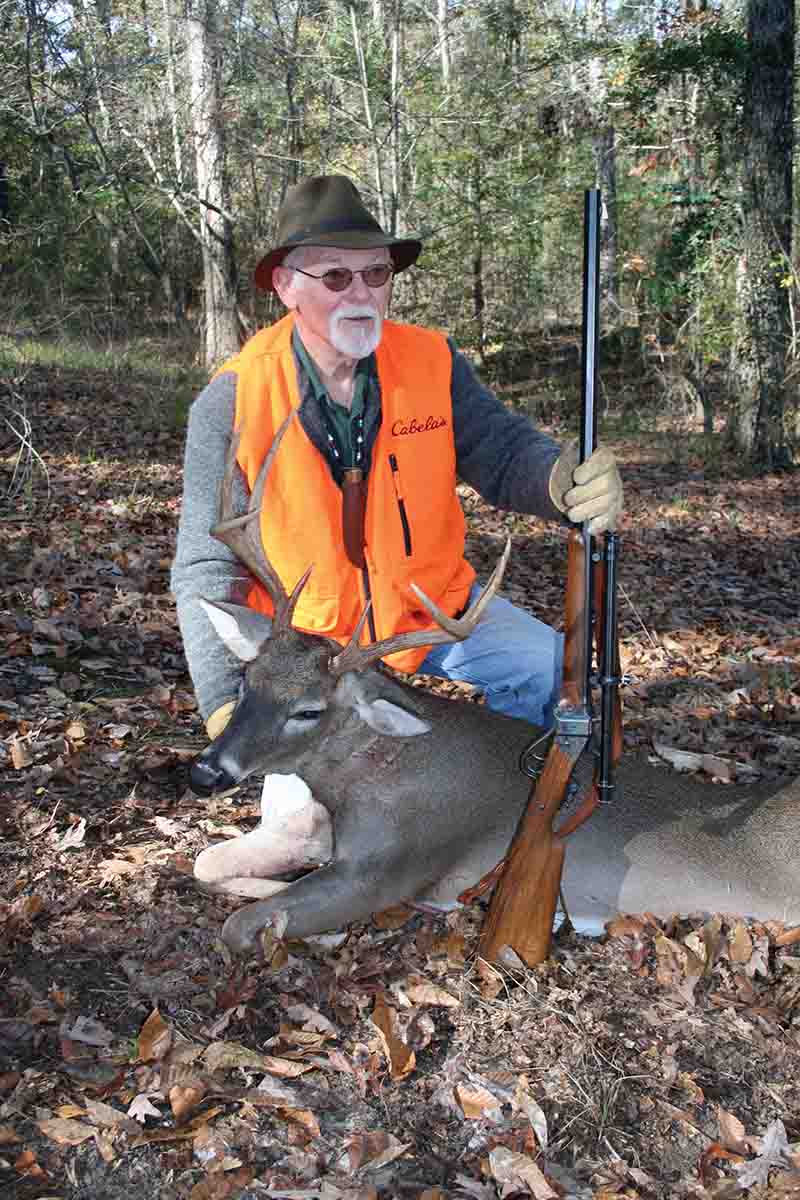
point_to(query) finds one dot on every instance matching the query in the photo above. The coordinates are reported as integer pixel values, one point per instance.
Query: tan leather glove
(590, 492)
(219, 719)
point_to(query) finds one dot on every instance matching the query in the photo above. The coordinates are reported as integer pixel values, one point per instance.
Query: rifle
(524, 903)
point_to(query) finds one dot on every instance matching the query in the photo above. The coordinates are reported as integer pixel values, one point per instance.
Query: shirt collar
(364, 369)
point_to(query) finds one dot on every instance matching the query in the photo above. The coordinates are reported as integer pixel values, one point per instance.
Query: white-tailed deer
(417, 797)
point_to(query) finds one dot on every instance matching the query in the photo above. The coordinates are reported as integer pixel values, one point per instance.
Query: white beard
(355, 340)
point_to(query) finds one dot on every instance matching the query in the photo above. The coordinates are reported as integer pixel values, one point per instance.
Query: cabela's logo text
(401, 428)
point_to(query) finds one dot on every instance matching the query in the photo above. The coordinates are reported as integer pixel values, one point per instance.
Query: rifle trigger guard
(531, 762)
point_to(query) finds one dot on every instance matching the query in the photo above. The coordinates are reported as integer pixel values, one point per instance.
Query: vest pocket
(401, 505)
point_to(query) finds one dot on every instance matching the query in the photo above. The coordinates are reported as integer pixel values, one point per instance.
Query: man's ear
(382, 715)
(284, 281)
(243, 630)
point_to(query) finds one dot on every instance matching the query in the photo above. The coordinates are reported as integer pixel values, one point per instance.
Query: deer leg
(294, 834)
(327, 899)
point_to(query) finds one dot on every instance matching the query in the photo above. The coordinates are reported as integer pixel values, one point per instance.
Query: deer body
(423, 816)
(416, 797)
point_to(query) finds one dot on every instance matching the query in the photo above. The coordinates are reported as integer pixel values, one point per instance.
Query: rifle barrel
(591, 319)
(588, 437)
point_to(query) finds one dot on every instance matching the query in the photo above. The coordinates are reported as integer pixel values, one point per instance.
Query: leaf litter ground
(138, 1060)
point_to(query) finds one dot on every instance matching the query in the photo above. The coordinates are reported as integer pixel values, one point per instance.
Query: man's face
(350, 321)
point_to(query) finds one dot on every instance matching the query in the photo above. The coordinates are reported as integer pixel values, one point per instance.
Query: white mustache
(354, 310)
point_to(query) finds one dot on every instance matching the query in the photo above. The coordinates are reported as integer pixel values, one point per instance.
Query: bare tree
(757, 426)
(216, 227)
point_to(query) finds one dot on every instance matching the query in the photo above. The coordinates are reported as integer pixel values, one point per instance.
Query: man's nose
(358, 288)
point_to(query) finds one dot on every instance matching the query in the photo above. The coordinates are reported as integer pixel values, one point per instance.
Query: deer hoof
(240, 933)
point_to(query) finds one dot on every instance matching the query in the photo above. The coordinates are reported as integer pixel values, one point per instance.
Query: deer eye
(307, 714)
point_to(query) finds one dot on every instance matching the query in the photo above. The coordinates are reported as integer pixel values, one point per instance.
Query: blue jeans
(515, 660)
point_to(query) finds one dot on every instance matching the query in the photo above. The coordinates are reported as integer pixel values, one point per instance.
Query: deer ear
(243, 630)
(382, 715)
(385, 717)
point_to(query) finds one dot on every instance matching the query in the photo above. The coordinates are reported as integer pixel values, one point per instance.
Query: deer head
(298, 688)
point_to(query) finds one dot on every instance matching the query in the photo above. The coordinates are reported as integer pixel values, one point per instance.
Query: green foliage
(710, 50)
(486, 154)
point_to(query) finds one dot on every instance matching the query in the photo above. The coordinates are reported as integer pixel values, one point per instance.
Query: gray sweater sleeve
(500, 453)
(203, 566)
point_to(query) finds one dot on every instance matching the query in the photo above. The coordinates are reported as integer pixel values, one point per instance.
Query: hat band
(335, 226)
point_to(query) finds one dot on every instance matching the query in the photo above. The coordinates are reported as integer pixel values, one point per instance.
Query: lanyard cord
(334, 442)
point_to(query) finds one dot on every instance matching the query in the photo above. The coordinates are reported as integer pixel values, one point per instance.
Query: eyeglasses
(338, 279)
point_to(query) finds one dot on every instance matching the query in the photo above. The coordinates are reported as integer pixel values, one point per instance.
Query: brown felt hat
(326, 210)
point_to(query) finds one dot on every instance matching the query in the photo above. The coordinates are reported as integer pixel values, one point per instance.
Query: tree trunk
(757, 425)
(444, 44)
(216, 229)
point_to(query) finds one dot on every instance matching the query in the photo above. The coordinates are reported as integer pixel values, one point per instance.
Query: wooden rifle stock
(524, 903)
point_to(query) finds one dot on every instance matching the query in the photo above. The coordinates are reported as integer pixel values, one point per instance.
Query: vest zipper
(401, 504)
(371, 614)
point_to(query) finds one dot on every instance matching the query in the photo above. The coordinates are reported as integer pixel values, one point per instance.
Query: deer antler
(242, 534)
(355, 658)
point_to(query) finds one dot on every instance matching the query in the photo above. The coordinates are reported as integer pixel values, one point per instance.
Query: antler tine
(242, 534)
(451, 629)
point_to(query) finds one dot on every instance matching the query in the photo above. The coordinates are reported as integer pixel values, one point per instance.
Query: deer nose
(206, 777)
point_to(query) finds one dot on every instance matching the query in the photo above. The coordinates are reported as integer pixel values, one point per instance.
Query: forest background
(145, 150)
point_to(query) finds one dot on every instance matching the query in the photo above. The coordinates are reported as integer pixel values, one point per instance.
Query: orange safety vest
(413, 457)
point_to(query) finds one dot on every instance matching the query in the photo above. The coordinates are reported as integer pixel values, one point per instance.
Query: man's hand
(219, 719)
(590, 492)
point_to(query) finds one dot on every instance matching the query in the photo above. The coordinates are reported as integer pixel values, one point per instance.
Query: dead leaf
(155, 1038)
(740, 944)
(311, 1019)
(184, 1100)
(25, 908)
(402, 1060)
(303, 1117)
(118, 732)
(491, 982)
(65, 1132)
(392, 918)
(140, 1108)
(116, 868)
(108, 1117)
(626, 925)
(210, 1148)
(710, 1154)
(20, 754)
(731, 1131)
(225, 1056)
(373, 1150)
(223, 1185)
(168, 827)
(86, 1030)
(27, 1164)
(678, 966)
(477, 1102)
(511, 1170)
(8, 1136)
(524, 1102)
(774, 1153)
(424, 992)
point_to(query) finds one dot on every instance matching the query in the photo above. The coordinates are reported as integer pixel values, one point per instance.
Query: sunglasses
(338, 279)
